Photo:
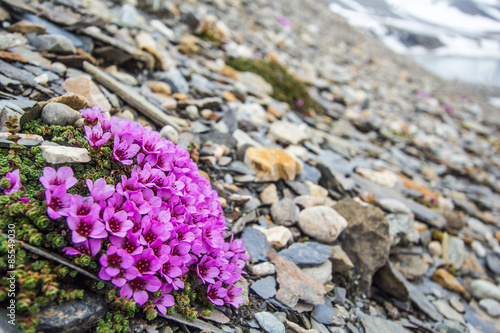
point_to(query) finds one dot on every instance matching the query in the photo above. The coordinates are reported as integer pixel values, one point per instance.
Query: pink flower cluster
(158, 224)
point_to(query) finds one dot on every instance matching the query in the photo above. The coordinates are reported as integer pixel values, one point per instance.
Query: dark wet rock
(388, 281)
(294, 285)
(367, 240)
(256, 244)
(73, 316)
(306, 254)
(59, 114)
(285, 212)
(265, 288)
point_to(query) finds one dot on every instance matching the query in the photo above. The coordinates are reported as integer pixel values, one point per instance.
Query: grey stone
(367, 240)
(28, 140)
(484, 289)
(324, 313)
(265, 288)
(493, 263)
(306, 254)
(322, 273)
(73, 316)
(59, 114)
(54, 43)
(447, 311)
(269, 323)
(256, 244)
(340, 294)
(454, 251)
(55, 154)
(380, 325)
(175, 79)
(285, 212)
(490, 306)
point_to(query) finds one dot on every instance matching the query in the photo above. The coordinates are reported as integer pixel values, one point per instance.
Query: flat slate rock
(73, 316)
(380, 325)
(265, 288)
(256, 244)
(306, 254)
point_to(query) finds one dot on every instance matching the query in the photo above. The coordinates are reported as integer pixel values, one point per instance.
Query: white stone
(243, 138)
(169, 133)
(277, 236)
(263, 269)
(55, 154)
(435, 248)
(322, 223)
(485, 289)
(479, 249)
(395, 206)
(287, 132)
(384, 178)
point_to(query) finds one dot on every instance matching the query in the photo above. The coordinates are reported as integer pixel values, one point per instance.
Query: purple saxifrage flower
(138, 288)
(52, 178)
(15, 182)
(114, 259)
(95, 136)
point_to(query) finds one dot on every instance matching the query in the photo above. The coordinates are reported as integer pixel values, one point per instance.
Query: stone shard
(390, 283)
(294, 284)
(367, 240)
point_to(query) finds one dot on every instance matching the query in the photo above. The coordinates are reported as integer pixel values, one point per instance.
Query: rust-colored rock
(10, 57)
(229, 72)
(272, 163)
(448, 281)
(26, 27)
(294, 284)
(83, 85)
(412, 185)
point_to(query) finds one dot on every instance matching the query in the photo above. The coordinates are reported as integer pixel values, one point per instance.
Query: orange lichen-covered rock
(272, 163)
(448, 281)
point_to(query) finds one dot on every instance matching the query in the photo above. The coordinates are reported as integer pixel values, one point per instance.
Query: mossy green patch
(286, 87)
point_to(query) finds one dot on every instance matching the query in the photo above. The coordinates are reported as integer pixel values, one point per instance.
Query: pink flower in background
(284, 20)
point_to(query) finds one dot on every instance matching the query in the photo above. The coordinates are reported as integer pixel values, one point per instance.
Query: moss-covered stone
(286, 87)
